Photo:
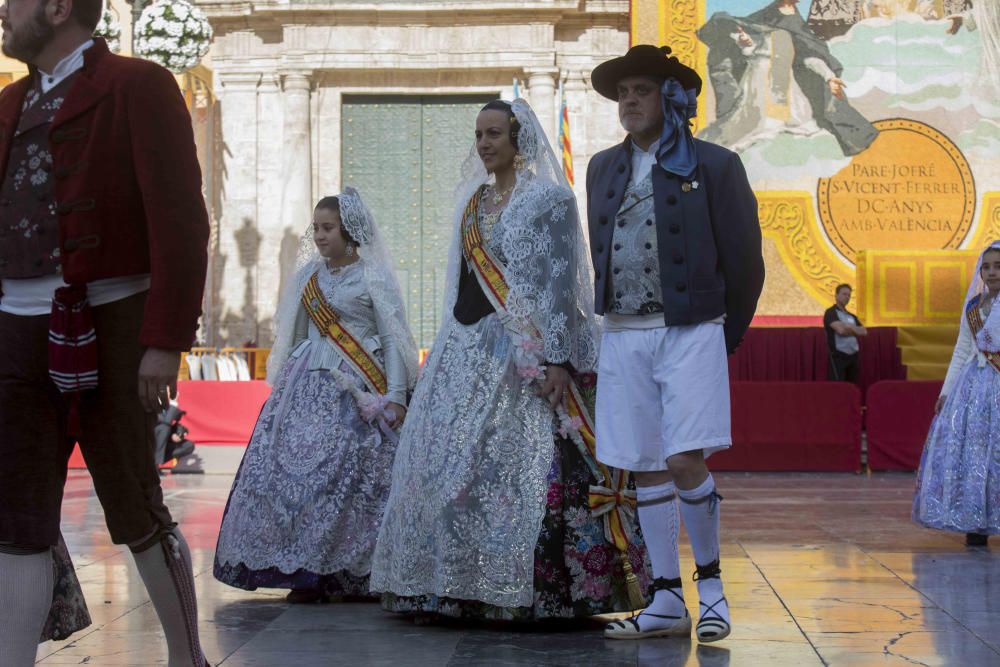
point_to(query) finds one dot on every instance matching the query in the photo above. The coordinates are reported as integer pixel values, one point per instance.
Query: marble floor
(820, 569)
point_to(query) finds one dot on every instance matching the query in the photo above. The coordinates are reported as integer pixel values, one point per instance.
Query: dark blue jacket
(708, 237)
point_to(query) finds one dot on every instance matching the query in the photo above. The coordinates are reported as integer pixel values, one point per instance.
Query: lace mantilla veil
(988, 338)
(542, 240)
(379, 277)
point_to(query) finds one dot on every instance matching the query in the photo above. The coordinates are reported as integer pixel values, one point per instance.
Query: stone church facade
(380, 94)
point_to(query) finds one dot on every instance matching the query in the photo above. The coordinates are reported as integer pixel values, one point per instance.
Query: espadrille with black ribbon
(713, 623)
(656, 625)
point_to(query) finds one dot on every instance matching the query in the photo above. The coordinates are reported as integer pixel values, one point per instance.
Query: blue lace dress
(308, 499)
(958, 486)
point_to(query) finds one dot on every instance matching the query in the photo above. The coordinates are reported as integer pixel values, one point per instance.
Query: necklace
(498, 196)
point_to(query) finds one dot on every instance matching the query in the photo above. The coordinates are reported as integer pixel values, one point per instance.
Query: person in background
(843, 329)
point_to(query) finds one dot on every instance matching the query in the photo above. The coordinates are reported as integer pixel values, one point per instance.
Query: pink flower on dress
(570, 425)
(597, 561)
(555, 496)
(595, 588)
(530, 372)
(530, 345)
(370, 405)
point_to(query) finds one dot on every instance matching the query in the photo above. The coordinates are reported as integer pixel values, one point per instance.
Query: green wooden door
(403, 153)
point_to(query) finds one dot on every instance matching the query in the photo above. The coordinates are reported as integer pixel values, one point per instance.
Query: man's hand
(837, 87)
(556, 383)
(956, 22)
(158, 379)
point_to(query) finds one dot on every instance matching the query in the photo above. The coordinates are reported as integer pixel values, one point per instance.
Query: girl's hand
(940, 404)
(400, 414)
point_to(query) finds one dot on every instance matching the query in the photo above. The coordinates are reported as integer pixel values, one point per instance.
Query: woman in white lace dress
(488, 516)
(308, 499)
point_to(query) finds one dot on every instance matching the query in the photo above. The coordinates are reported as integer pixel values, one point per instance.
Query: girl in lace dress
(489, 513)
(308, 499)
(958, 485)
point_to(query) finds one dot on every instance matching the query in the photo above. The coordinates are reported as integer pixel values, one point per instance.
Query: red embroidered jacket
(127, 185)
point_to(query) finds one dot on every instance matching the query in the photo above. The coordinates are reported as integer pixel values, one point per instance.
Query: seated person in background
(842, 331)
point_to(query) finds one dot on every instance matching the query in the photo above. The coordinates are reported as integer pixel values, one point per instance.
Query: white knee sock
(700, 509)
(25, 598)
(660, 525)
(166, 571)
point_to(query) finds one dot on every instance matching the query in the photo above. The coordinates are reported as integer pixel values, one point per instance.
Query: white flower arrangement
(173, 33)
(109, 28)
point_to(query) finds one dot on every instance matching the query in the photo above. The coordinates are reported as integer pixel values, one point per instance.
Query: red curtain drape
(799, 354)
(793, 426)
(899, 417)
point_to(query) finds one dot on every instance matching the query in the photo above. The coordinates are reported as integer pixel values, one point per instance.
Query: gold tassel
(635, 597)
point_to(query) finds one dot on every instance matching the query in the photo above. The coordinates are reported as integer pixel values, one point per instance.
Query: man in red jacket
(103, 236)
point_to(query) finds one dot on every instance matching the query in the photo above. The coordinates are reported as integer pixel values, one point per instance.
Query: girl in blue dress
(958, 485)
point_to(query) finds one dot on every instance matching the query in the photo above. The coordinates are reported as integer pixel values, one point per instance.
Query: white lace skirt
(313, 484)
(469, 481)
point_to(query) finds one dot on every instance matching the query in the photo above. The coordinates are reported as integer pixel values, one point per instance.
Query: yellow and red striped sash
(328, 322)
(976, 323)
(610, 496)
(488, 270)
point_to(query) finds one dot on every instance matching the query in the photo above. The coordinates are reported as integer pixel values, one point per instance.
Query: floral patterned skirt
(578, 572)
(68, 613)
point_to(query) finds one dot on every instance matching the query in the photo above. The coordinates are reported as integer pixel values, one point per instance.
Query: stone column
(294, 155)
(296, 148)
(542, 94)
(235, 307)
(329, 140)
(270, 189)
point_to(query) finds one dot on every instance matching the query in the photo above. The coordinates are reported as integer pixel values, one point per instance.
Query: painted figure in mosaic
(676, 247)
(771, 74)
(958, 485)
(983, 17)
(308, 499)
(103, 237)
(498, 508)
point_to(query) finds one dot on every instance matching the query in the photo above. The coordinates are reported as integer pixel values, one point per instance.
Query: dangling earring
(350, 250)
(519, 162)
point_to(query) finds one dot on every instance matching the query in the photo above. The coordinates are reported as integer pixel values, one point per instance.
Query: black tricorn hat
(642, 60)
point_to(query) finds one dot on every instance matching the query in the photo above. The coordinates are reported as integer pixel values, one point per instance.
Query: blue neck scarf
(677, 153)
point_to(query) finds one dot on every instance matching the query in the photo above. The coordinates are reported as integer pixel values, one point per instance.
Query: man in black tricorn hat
(676, 246)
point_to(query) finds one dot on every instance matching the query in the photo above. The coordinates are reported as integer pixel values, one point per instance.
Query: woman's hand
(555, 384)
(400, 414)
(940, 404)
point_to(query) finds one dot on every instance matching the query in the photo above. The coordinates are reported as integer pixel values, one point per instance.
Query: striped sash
(346, 344)
(975, 317)
(72, 341)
